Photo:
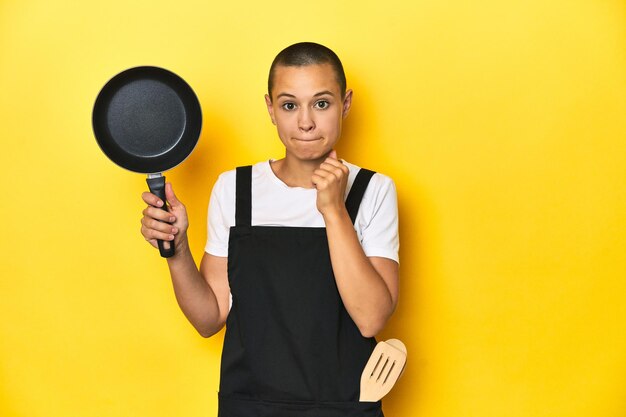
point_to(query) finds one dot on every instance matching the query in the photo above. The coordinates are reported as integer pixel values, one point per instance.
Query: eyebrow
(321, 93)
(324, 93)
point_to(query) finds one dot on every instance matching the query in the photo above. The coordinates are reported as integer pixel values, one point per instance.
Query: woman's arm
(368, 286)
(203, 295)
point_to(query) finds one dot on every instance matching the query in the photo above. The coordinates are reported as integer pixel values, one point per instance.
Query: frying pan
(148, 120)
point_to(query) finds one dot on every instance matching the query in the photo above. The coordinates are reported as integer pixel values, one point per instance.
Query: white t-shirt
(274, 203)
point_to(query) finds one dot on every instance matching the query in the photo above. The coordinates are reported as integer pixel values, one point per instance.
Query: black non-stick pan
(148, 120)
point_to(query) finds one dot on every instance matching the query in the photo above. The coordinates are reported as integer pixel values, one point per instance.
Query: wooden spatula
(382, 370)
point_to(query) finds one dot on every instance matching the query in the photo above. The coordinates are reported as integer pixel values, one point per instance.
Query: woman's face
(307, 108)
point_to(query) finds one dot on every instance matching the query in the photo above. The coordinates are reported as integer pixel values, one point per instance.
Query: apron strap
(243, 196)
(355, 196)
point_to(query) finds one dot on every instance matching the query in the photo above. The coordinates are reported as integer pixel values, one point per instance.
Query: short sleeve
(377, 221)
(218, 223)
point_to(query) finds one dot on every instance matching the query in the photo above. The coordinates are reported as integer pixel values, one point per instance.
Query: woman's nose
(305, 121)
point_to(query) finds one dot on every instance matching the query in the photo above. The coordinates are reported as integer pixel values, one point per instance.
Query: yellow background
(502, 123)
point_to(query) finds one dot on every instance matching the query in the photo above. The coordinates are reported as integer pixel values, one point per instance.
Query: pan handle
(157, 187)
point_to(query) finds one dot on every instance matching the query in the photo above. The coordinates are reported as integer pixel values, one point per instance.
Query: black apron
(290, 349)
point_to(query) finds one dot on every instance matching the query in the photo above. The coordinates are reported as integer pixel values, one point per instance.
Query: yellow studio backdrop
(502, 124)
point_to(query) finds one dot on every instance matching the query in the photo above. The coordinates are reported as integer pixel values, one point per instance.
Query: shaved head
(307, 53)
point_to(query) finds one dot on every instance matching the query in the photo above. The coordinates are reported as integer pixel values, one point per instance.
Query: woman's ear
(270, 109)
(347, 103)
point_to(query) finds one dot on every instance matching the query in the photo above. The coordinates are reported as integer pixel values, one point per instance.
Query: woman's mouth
(307, 139)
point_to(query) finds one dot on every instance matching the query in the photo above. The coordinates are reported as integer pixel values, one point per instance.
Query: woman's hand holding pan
(169, 226)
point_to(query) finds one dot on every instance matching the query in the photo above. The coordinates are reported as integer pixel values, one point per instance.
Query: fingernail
(171, 237)
(174, 230)
(172, 219)
(159, 203)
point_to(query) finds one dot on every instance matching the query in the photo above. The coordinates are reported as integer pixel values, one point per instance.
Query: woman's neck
(295, 173)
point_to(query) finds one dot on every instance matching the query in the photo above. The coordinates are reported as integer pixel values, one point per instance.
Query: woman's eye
(289, 106)
(322, 104)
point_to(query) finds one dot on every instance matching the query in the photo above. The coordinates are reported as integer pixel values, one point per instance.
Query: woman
(302, 277)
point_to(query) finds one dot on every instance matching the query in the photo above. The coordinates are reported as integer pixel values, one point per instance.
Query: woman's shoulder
(227, 179)
(378, 182)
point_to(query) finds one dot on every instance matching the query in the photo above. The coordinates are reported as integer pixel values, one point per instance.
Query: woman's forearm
(369, 298)
(193, 293)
